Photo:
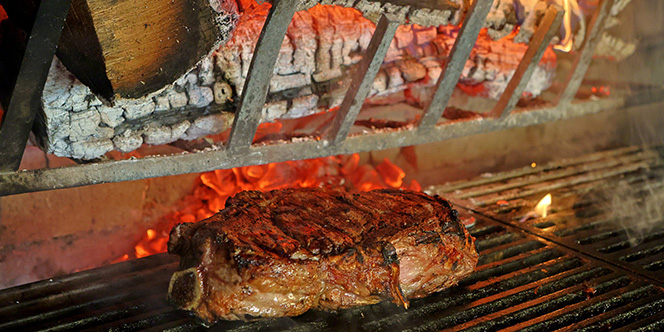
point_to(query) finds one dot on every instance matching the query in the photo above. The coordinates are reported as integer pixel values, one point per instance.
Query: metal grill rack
(598, 200)
(522, 282)
(239, 151)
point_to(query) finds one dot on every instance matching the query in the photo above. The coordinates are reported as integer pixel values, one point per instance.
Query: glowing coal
(214, 188)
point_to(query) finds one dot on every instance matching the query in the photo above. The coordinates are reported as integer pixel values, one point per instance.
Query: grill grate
(521, 282)
(574, 269)
(607, 205)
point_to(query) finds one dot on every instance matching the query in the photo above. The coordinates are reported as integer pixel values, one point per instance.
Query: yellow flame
(567, 42)
(542, 207)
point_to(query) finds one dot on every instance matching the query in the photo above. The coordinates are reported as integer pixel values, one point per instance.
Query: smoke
(639, 210)
(633, 203)
(639, 207)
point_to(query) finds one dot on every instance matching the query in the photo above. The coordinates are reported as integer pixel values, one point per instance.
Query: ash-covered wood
(318, 55)
(132, 48)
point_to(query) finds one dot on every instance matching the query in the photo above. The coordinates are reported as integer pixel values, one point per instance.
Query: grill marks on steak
(283, 252)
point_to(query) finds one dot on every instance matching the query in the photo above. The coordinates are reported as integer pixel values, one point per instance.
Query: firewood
(133, 47)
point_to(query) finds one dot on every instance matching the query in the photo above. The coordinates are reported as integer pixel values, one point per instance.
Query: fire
(152, 241)
(3, 14)
(542, 208)
(603, 90)
(214, 188)
(571, 7)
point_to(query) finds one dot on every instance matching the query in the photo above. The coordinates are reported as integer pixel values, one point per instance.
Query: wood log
(133, 47)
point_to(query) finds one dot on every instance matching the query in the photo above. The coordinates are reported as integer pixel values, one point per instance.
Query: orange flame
(567, 42)
(542, 208)
(216, 187)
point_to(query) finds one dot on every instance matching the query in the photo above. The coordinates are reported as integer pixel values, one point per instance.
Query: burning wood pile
(133, 95)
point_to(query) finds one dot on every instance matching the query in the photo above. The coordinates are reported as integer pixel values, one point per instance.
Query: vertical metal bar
(455, 62)
(260, 72)
(362, 80)
(585, 55)
(547, 28)
(26, 97)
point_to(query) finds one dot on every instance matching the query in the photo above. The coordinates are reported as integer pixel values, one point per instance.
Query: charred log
(132, 48)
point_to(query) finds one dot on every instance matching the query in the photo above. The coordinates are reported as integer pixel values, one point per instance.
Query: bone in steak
(283, 252)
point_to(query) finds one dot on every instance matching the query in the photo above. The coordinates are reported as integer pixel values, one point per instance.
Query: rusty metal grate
(522, 282)
(239, 150)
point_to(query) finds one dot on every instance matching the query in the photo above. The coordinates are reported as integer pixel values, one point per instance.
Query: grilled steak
(283, 252)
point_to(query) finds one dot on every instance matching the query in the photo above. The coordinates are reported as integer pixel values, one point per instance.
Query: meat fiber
(283, 252)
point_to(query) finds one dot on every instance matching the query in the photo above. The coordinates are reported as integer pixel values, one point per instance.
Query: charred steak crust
(283, 252)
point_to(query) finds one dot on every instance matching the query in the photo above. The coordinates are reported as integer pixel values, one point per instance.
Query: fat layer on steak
(283, 252)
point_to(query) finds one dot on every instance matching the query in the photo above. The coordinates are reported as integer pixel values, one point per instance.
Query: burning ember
(214, 188)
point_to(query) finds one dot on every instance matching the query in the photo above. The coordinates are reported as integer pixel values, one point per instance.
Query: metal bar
(261, 69)
(148, 167)
(528, 170)
(568, 182)
(585, 55)
(362, 80)
(454, 65)
(538, 43)
(556, 174)
(26, 97)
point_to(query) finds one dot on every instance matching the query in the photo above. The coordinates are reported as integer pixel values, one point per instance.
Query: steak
(283, 252)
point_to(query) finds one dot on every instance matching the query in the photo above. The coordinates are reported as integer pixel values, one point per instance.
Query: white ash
(79, 93)
(274, 110)
(111, 116)
(302, 106)
(541, 78)
(162, 103)
(84, 124)
(128, 141)
(58, 125)
(281, 83)
(90, 149)
(327, 75)
(79, 125)
(284, 64)
(205, 125)
(103, 132)
(157, 135)
(428, 17)
(199, 96)
(177, 99)
(394, 79)
(135, 110)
